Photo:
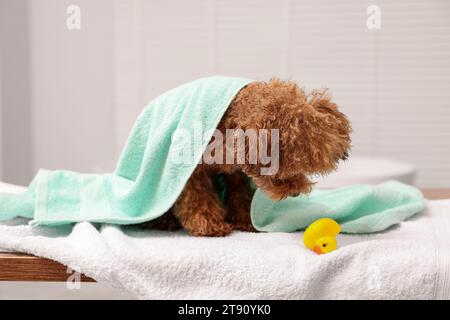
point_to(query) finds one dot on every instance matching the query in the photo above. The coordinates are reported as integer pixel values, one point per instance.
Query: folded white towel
(410, 261)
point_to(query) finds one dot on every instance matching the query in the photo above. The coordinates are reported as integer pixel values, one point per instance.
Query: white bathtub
(365, 170)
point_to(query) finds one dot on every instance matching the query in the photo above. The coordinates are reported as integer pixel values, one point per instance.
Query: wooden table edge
(23, 267)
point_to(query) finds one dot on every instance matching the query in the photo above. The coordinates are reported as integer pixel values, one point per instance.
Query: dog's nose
(344, 156)
(295, 194)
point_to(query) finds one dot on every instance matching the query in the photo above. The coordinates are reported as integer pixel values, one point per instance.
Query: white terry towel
(410, 261)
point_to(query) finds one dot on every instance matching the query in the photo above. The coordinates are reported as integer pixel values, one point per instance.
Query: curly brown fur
(238, 200)
(199, 209)
(313, 137)
(167, 222)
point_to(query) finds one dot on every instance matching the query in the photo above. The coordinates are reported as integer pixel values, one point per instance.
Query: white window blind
(394, 83)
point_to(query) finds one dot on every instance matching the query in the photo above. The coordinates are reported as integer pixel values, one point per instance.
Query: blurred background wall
(69, 97)
(15, 105)
(1, 123)
(58, 87)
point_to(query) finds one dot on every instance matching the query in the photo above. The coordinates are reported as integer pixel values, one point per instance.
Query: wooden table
(22, 267)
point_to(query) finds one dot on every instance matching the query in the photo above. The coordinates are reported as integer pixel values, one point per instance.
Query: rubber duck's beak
(317, 250)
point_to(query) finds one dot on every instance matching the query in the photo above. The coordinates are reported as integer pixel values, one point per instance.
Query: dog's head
(312, 134)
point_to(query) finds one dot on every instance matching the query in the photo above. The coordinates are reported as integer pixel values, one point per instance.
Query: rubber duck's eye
(324, 245)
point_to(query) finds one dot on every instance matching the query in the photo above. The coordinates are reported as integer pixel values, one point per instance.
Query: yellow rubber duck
(320, 236)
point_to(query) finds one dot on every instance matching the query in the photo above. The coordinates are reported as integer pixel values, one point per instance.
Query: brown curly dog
(313, 136)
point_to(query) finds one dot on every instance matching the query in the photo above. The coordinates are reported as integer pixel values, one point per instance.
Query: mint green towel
(358, 208)
(148, 178)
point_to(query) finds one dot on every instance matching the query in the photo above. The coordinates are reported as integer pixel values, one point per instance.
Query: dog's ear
(321, 101)
(314, 134)
(326, 133)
